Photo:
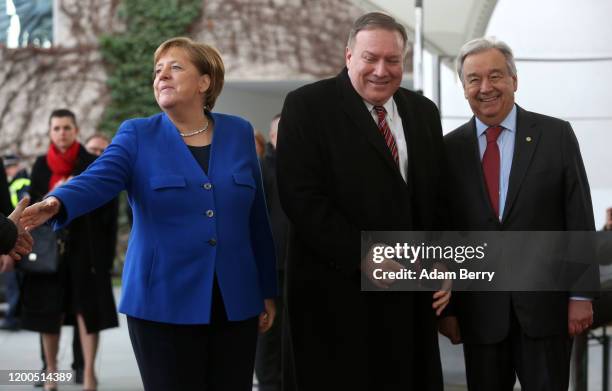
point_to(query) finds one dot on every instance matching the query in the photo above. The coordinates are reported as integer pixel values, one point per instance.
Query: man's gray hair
(377, 20)
(480, 45)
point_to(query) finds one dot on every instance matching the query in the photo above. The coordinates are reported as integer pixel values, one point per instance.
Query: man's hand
(266, 318)
(387, 265)
(580, 316)
(608, 226)
(449, 327)
(6, 263)
(24, 242)
(37, 214)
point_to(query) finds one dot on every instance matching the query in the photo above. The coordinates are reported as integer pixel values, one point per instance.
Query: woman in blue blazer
(200, 273)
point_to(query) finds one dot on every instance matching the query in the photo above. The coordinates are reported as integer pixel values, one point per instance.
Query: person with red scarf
(80, 292)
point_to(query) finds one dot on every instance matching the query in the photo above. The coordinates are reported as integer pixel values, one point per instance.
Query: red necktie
(491, 166)
(384, 129)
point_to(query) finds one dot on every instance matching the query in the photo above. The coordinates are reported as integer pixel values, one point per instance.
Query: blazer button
(212, 242)
(210, 213)
(207, 186)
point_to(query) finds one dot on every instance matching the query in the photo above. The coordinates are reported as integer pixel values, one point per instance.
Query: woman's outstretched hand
(38, 213)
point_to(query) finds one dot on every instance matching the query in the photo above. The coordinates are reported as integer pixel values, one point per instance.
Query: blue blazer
(188, 226)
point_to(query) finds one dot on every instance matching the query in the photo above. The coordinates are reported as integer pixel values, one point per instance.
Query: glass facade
(26, 23)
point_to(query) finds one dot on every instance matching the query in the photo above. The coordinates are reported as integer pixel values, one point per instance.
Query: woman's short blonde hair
(206, 58)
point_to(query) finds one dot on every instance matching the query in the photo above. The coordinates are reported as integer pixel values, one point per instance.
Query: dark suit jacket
(548, 191)
(5, 197)
(8, 231)
(336, 177)
(8, 235)
(278, 220)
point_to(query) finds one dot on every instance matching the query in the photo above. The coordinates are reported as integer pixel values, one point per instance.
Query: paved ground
(115, 364)
(117, 370)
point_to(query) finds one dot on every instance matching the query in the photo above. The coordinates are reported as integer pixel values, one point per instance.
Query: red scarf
(61, 164)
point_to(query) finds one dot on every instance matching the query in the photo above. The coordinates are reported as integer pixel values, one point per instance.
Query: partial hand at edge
(387, 265)
(24, 242)
(6, 263)
(580, 316)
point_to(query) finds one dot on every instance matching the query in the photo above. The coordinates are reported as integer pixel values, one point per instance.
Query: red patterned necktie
(491, 166)
(385, 130)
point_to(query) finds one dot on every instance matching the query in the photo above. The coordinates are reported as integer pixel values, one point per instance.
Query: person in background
(608, 224)
(107, 215)
(17, 177)
(602, 311)
(268, 357)
(80, 292)
(260, 143)
(97, 143)
(200, 273)
(106, 221)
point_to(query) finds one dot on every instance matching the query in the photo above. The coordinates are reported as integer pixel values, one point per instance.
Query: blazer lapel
(175, 146)
(527, 137)
(354, 107)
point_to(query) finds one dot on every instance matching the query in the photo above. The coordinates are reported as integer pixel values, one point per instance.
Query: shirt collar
(508, 123)
(389, 106)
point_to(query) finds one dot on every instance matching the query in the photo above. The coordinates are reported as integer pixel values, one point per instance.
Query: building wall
(258, 39)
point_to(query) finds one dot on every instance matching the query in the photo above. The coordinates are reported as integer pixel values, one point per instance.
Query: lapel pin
(528, 139)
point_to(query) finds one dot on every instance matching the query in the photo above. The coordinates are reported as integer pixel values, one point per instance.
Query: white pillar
(417, 57)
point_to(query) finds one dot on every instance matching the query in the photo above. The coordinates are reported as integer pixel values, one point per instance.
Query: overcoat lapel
(354, 108)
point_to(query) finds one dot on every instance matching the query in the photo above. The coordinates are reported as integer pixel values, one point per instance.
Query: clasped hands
(24, 242)
(26, 218)
(440, 297)
(580, 316)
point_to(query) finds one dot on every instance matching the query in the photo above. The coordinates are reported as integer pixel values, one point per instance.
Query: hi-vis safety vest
(15, 187)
